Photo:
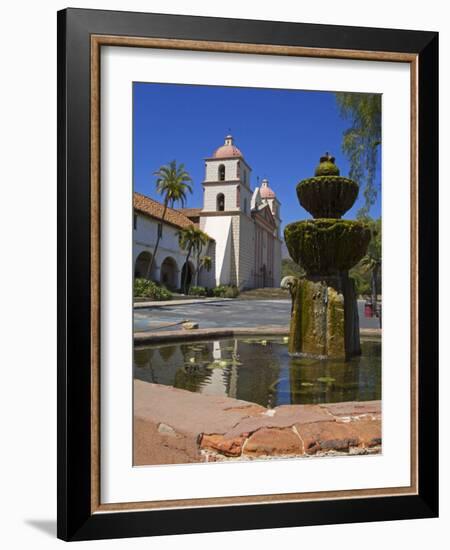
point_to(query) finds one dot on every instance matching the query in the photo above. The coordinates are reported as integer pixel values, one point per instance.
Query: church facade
(243, 224)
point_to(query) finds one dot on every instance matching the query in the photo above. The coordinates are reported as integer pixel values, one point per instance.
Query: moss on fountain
(335, 324)
(307, 332)
(326, 166)
(327, 196)
(327, 246)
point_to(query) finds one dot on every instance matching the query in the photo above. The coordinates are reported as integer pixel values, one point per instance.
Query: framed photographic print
(247, 274)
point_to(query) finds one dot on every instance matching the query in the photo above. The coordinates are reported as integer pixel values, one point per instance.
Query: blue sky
(281, 133)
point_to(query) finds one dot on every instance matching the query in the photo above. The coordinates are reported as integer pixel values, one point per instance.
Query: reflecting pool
(260, 370)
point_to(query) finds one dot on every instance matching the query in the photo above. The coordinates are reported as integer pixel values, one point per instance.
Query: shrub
(226, 291)
(197, 291)
(143, 288)
(231, 292)
(219, 291)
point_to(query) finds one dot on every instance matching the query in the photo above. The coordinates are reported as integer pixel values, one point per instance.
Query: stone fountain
(324, 319)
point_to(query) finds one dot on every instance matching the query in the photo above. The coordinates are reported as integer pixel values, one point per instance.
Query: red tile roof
(227, 151)
(155, 209)
(190, 212)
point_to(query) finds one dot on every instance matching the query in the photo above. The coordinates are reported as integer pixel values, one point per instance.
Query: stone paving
(177, 426)
(221, 313)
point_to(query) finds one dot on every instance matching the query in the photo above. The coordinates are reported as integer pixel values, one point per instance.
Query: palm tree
(191, 239)
(173, 183)
(203, 263)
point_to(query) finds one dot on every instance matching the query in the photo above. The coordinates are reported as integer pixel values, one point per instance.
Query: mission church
(243, 226)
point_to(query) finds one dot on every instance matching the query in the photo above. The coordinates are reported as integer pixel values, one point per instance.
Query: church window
(220, 202)
(221, 172)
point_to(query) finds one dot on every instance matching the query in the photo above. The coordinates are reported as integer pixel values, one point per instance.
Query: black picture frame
(75, 518)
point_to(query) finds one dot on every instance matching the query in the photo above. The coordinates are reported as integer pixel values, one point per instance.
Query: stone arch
(220, 202)
(221, 172)
(169, 273)
(142, 265)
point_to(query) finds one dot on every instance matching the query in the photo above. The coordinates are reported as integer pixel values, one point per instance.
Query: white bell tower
(226, 209)
(227, 180)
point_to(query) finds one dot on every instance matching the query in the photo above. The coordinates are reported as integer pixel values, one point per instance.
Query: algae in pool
(261, 371)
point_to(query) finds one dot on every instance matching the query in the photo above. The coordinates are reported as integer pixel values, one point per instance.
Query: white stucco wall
(245, 195)
(277, 263)
(144, 239)
(246, 252)
(220, 229)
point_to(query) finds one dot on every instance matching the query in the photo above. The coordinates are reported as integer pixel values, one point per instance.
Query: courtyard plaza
(221, 313)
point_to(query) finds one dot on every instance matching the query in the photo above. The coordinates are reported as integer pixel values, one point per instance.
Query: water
(261, 371)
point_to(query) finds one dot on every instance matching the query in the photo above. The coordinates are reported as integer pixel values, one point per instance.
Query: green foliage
(231, 292)
(374, 248)
(173, 183)
(197, 291)
(192, 239)
(367, 273)
(290, 269)
(225, 291)
(361, 140)
(205, 263)
(362, 280)
(143, 288)
(219, 291)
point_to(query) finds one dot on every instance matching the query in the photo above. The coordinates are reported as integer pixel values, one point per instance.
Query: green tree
(361, 141)
(362, 280)
(172, 183)
(190, 239)
(371, 263)
(290, 268)
(372, 260)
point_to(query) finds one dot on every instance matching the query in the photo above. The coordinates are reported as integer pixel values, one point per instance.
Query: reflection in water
(261, 371)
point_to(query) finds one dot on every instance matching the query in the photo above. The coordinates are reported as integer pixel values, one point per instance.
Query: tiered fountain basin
(327, 196)
(327, 246)
(324, 318)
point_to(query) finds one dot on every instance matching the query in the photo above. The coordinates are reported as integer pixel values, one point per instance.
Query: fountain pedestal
(324, 319)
